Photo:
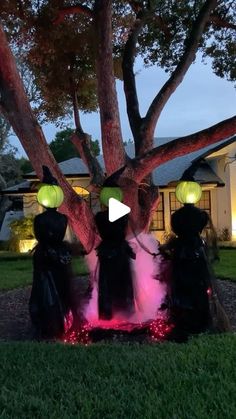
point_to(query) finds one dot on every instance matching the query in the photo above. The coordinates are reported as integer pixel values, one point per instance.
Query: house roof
(172, 171)
(204, 174)
(165, 175)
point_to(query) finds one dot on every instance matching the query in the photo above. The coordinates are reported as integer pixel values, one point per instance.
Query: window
(158, 222)
(174, 203)
(204, 203)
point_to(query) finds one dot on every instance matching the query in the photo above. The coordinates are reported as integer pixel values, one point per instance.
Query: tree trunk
(5, 203)
(113, 148)
(15, 107)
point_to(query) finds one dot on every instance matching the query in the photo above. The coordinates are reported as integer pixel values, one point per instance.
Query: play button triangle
(117, 210)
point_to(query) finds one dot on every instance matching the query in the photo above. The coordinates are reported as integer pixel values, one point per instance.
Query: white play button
(116, 210)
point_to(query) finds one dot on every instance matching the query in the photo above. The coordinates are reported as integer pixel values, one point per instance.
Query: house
(214, 167)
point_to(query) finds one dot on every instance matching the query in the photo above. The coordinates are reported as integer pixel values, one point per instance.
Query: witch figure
(50, 300)
(123, 271)
(191, 284)
(114, 291)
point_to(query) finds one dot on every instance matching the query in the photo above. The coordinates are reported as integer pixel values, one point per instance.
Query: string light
(80, 336)
(160, 329)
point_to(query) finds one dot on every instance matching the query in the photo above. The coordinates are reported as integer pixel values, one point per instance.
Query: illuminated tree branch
(145, 164)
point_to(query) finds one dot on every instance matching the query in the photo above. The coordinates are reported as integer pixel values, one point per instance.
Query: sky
(202, 100)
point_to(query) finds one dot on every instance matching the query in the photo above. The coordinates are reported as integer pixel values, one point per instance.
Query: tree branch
(132, 103)
(113, 147)
(163, 26)
(82, 141)
(145, 164)
(72, 10)
(221, 23)
(16, 109)
(177, 76)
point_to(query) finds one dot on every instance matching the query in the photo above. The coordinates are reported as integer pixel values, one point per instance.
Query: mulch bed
(15, 322)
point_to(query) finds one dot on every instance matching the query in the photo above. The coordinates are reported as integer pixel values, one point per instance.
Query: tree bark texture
(112, 144)
(15, 106)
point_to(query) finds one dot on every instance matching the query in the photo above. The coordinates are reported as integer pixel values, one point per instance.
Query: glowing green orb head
(110, 192)
(188, 192)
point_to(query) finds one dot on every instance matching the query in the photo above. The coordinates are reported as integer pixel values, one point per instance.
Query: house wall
(221, 196)
(232, 172)
(221, 201)
(223, 164)
(161, 234)
(31, 205)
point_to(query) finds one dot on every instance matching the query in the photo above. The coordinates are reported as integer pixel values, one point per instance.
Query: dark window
(174, 203)
(204, 203)
(158, 220)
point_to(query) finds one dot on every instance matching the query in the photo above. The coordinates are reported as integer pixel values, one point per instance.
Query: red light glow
(81, 336)
(160, 329)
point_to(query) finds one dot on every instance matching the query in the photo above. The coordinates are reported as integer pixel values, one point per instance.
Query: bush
(4, 245)
(224, 235)
(21, 230)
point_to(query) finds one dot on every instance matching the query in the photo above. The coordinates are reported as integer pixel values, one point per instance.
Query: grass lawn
(196, 380)
(166, 381)
(226, 267)
(16, 270)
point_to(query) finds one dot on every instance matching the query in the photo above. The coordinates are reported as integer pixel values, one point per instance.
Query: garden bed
(15, 322)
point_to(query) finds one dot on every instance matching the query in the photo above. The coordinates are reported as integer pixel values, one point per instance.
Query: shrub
(224, 235)
(20, 230)
(4, 245)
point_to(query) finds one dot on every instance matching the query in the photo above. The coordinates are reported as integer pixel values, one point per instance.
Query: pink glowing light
(158, 329)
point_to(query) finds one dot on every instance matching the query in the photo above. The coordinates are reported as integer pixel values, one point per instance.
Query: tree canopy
(63, 149)
(75, 51)
(58, 42)
(9, 167)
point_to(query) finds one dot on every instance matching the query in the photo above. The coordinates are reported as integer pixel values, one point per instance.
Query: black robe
(115, 287)
(50, 299)
(191, 279)
(191, 283)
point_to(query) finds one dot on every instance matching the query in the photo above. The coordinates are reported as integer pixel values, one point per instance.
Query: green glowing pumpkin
(110, 192)
(188, 192)
(50, 196)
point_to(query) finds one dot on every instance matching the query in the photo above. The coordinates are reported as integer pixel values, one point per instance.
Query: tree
(25, 165)
(9, 166)
(75, 51)
(9, 169)
(63, 149)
